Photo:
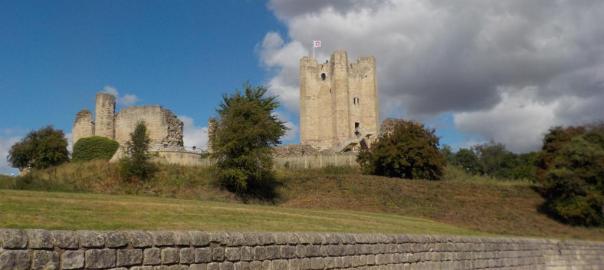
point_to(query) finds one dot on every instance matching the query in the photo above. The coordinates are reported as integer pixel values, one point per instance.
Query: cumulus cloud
(125, 100)
(496, 65)
(194, 135)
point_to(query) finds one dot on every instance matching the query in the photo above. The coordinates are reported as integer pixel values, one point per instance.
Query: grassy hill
(331, 199)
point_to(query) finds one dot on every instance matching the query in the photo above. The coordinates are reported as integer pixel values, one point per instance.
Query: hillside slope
(472, 203)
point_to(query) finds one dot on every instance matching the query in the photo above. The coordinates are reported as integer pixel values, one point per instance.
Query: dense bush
(409, 150)
(136, 164)
(241, 142)
(571, 169)
(92, 148)
(494, 160)
(40, 149)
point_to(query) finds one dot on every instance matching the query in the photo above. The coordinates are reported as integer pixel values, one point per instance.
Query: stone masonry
(195, 250)
(338, 102)
(164, 128)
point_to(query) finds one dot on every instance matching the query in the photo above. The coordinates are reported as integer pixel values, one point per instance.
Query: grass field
(331, 199)
(57, 210)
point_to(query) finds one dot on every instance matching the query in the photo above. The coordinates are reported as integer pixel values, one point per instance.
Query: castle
(338, 102)
(165, 130)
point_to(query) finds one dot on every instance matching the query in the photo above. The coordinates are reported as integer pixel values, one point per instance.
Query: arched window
(355, 100)
(323, 76)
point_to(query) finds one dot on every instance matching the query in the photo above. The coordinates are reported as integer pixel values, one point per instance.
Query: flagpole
(313, 50)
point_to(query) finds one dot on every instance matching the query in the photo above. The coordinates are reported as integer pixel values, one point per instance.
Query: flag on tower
(316, 44)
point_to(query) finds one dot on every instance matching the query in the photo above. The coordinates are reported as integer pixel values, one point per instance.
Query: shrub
(409, 150)
(572, 174)
(92, 148)
(40, 149)
(136, 165)
(241, 142)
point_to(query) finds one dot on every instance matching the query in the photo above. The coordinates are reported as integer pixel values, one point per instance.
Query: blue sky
(475, 73)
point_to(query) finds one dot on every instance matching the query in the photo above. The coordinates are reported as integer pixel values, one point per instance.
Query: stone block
(272, 252)
(44, 260)
(317, 263)
(226, 266)
(91, 239)
(14, 259)
(163, 238)
(213, 266)
(198, 267)
(247, 253)
(39, 239)
(182, 238)
(13, 239)
(100, 258)
(260, 253)
(255, 265)
(151, 256)
(233, 239)
(116, 239)
(72, 259)
(232, 254)
(65, 239)
(187, 255)
(139, 239)
(129, 257)
(199, 239)
(242, 266)
(287, 252)
(169, 255)
(203, 255)
(217, 254)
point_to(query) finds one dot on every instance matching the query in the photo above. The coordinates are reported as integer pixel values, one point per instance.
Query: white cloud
(477, 59)
(125, 100)
(5, 145)
(194, 135)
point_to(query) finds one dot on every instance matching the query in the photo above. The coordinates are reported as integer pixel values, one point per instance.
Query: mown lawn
(58, 210)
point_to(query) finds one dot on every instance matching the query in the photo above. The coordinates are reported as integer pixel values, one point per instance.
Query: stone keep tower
(338, 102)
(105, 115)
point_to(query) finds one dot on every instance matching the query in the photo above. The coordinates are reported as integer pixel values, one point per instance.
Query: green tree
(572, 174)
(136, 164)
(468, 160)
(94, 147)
(244, 133)
(40, 149)
(409, 151)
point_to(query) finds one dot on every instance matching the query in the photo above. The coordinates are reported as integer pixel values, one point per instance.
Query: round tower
(105, 115)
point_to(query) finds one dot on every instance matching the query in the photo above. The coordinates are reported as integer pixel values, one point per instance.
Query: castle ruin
(165, 130)
(338, 102)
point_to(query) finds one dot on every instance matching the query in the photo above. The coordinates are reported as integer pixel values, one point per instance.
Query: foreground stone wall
(194, 250)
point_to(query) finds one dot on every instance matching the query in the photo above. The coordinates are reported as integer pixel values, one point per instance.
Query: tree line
(568, 170)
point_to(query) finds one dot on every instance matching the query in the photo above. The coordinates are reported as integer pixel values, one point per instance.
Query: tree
(136, 165)
(40, 149)
(94, 147)
(468, 160)
(409, 150)
(244, 133)
(572, 174)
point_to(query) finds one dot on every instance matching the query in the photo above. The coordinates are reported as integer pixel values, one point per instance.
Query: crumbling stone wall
(194, 250)
(164, 128)
(83, 126)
